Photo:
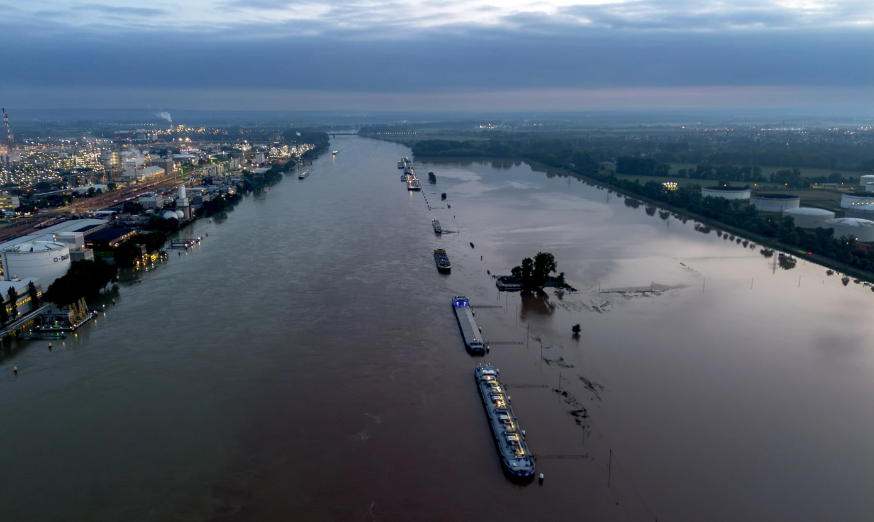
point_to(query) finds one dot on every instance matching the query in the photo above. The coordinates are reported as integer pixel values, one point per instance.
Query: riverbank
(736, 231)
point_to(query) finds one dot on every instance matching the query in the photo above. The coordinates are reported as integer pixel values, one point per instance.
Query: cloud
(122, 11)
(408, 48)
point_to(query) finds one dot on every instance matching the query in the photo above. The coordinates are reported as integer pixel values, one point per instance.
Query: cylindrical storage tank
(869, 187)
(169, 215)
(726, 192)
(860, 211)
(867, 178)
(806, 217)
(775, 202)
(179, 214)
(46, 260)
(852, 199)
(858, 229)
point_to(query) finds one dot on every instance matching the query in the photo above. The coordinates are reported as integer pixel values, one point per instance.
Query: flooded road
(304, 363)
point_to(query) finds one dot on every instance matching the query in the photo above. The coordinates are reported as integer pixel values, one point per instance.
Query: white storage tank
(860, 211)
(775, 202)
(179, 215)
(858, 229)
(867, 178)
(806, 217)
(46, 260)
(852, 199)
(169, 215)
(726, 192)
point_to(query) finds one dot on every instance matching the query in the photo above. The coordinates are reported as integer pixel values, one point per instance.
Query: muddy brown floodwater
(304, 363)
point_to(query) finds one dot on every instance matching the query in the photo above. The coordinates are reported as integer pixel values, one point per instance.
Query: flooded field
(304, 363)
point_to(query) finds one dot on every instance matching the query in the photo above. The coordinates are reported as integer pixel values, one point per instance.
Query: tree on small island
(576, 329)
(534, 273)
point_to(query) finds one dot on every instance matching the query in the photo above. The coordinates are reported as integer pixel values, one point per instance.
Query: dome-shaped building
(726, 192)
(775, 202)
(806, 217)
(46, 260)
(169, 215)
(858, 229)
(179, 214)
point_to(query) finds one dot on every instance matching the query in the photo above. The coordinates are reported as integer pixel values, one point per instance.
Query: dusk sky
(437, 55)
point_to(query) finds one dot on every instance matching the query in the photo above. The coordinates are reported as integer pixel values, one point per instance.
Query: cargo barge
(516, 460)
(470, 332)
(413, 184)
(442, 260)
(304, 174)
(508, 283)
(437, 228)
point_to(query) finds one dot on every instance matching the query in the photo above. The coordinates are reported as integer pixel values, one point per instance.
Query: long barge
(442, 260)
(516, 459)
(470, 332)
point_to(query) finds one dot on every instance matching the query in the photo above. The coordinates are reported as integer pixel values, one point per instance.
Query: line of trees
(84, 279)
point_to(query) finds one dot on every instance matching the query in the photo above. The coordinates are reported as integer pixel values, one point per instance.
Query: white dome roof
(808, 211)
(851, 222)
(180, 214)
(34, 246)
(170, 215)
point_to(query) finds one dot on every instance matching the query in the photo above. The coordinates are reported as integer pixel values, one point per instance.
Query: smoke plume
(166, 116)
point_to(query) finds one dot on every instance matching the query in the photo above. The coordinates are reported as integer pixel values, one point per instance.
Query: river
(304, 363)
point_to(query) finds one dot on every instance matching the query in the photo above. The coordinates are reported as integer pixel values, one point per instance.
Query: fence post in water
(704, 286)
(609, 468)
(799, 281)
(751, 284)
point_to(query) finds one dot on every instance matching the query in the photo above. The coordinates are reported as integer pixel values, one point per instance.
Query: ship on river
(442, 260)
(437, 228)
(516, 459)
(470, 332)
(414, 184)
(303, 174)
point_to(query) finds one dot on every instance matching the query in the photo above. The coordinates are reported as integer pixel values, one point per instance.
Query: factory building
(740, 193)
(806, 217)
(22, 301)
(775, 202)
(858, 229)
(47, 253)
(9, 202)
(866, 179)
(46, 260)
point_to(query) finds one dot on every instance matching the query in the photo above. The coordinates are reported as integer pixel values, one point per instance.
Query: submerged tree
(534, 273)
(576, 329)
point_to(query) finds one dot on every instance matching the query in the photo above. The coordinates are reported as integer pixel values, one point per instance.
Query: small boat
(303, 174)
(471, 244)
(437, 228)
(442, 260)
(334, 153)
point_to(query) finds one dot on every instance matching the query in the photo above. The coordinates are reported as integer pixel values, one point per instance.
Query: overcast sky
(437, 54)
